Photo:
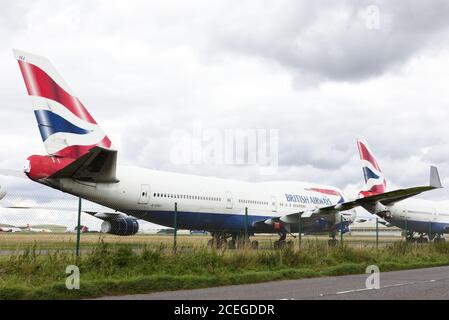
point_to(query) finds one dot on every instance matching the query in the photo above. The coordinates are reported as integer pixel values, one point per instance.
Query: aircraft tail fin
(375, 182)
(66, 127)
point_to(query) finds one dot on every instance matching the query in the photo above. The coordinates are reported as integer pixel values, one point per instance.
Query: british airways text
(307, 199)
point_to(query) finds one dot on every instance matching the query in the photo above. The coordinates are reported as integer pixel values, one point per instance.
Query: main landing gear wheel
(422, 239)
(254, 245)
(282, 243)
(218, 241)
(231, 244)
(332, 242)
(439, 239)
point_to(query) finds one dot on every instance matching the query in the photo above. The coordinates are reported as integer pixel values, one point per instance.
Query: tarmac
(422, 284)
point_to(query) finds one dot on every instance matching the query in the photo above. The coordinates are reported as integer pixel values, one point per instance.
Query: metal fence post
(78, 231)
(377, 233)
(299, 230)
(246, 223)
(341, 229)
(405, 229)
(430, 231)
(175, 226)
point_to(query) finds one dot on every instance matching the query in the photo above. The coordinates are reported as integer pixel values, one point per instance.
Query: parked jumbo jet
(81, 161)
(427, 218)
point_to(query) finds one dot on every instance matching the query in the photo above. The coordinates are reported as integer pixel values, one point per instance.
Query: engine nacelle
(120, 227)
(2, 192)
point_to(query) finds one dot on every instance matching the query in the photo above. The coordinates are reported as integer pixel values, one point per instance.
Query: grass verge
(117, 270)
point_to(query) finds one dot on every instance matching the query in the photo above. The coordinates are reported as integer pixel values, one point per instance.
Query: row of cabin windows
(265, 203)
(185, 196)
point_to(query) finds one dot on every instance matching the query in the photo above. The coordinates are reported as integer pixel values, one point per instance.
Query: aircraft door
(274, 204)
(228, 200)
(144, 194)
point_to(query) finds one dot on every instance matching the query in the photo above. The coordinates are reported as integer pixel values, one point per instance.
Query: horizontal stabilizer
(98, 165)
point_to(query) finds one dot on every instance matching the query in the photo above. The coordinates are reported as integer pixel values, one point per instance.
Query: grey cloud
(327, 40)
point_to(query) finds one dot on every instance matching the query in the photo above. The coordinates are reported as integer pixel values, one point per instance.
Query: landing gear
(218, 240)
(439, 239)
(410, 237)
(282, 242)
(332, 242)
(237, 241)
(422, 239)
(254, 245)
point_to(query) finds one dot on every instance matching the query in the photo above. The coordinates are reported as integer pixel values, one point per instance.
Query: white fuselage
(205, 203)
(420, 215)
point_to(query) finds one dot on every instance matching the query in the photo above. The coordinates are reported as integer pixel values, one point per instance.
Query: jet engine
(120, 226)
(2, 192)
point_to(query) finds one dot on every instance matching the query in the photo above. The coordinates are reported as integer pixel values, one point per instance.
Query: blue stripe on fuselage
(50, 123)
(221, 222)
(422, 226)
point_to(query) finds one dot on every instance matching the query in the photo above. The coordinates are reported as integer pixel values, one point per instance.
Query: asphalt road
(429, 283)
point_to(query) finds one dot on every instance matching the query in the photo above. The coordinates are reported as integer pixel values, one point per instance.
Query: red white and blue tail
(66, 127)
(375, 182)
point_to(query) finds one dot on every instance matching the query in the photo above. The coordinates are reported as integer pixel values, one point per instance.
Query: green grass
(114, 270)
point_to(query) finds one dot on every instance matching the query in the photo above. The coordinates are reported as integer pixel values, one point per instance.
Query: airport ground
(118, 266)
(11, 242)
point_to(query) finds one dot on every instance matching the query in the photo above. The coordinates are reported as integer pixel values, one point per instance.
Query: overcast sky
(321, 72)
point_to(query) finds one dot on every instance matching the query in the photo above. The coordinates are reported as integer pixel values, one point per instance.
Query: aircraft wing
(107, 216)
(386, 198)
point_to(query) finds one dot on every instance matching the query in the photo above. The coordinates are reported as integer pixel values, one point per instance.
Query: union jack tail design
(67, 128)
(375, 182)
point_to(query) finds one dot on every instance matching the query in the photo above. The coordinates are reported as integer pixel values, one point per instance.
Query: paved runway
(429, 283)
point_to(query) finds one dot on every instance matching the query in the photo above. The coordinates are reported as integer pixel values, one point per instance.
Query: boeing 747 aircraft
(428, 219)
(82, 161)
